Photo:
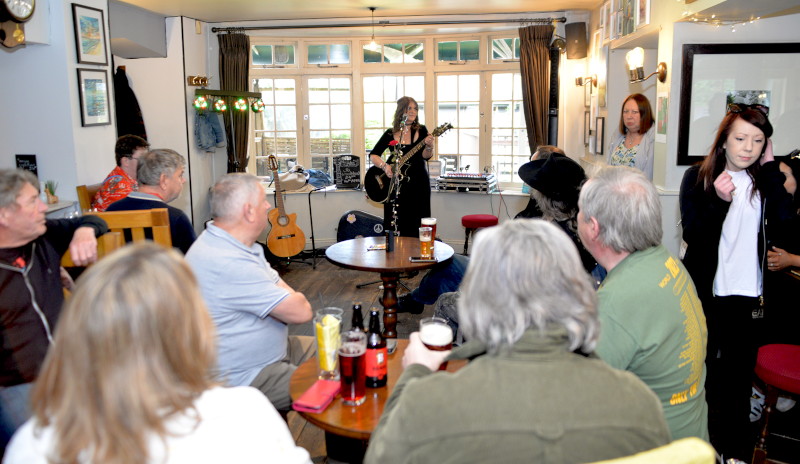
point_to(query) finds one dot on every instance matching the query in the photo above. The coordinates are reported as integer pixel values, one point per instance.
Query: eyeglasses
(739, 107)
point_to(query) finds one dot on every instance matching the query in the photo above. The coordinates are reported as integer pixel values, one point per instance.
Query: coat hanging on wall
(129, 115)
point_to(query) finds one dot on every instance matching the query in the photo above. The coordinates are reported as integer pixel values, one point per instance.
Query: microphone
(405, 118)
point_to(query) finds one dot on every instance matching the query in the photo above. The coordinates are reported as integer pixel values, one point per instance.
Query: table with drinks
(366, 373)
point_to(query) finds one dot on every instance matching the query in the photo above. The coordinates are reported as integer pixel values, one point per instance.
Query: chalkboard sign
(28, 162)
(346, 171)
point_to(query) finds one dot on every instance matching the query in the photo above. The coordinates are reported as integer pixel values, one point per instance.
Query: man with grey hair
(653, 323)
(526, 396)
(161, 178)
(250, 304)
(31, 292)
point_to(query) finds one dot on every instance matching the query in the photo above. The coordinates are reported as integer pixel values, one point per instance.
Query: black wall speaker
(576, 41)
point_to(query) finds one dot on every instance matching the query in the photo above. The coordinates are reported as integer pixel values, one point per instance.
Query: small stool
(779, 367)
(473, 222)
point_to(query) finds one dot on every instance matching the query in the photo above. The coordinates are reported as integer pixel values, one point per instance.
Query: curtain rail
(387, 23)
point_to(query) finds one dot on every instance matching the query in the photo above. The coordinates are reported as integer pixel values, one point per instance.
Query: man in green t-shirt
(652, 322)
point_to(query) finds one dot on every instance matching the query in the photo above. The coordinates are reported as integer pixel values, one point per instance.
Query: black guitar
(379, 186)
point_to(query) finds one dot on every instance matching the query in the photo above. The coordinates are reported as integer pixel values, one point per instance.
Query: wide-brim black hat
(557, 177)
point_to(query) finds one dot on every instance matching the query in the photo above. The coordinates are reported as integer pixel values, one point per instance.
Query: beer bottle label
(376, 363)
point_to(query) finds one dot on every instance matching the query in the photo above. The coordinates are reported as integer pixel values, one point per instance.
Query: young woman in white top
(129, 377)
(726, 204)
(633, 144)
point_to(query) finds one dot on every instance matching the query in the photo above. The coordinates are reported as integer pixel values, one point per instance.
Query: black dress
(414, 199)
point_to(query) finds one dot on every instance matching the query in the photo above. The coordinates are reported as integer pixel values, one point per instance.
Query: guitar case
(354, 224)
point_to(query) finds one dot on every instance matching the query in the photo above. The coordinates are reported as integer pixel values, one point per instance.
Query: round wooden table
(357, 254)
(348, 428)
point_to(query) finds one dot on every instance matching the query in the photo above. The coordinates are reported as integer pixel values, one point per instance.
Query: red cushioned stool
(779, 367)
(473, 222)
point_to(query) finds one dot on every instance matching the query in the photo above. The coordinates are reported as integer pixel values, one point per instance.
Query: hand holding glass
(436, 335)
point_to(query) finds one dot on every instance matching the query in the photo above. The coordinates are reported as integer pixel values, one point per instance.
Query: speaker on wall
(576, 40)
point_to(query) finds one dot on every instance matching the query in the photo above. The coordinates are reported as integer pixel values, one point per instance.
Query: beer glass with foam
(425, 242)
(430, 222)
(436, 335)
(352, 367)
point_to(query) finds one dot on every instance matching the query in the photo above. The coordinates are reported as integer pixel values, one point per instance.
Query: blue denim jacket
(209, 131)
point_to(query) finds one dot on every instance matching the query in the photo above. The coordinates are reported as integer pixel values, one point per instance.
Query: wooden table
(348, 428)
(355, 254)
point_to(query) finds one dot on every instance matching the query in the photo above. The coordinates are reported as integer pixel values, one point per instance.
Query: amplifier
(467, 182)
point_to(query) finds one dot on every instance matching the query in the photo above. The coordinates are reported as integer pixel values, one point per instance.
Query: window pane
(468, 115)
(415, 53)
(321, 163)
(373, 88)
(284, 91)
(286, 144)
(341, 143)
(468, 141)
(340, 54)
(319, 117)
(415, 86)
(284, 54)
(448, 51)
(340, 116)
(470, 164)
(393, 53)
(372, 54)
(470, 49)
(392, 88)
(286, 117)
(502, 49)
(317, 54)
(448, 88)
(516, 48)
(501, 114)
(318, 91)
(373, 115)
(262, 54)
(371, 137)
(469, 87)
(501, 87)
(320, 144)
(502, 141)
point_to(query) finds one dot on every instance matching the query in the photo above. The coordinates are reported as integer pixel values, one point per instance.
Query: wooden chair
(86, 194)
(106, 243)
(138, 221)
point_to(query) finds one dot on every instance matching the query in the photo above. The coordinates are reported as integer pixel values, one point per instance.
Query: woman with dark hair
(726, 203)
(633, 145)
(412, 200)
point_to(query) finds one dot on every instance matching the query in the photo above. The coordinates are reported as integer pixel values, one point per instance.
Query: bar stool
(472, 222)
(779, 367)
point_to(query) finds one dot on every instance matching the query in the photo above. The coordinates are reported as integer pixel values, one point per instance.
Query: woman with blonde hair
(129, 377)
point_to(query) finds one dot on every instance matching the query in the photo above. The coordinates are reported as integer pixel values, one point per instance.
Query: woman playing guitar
(412, 200)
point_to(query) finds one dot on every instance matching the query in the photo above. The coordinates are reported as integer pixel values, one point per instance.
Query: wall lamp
(579, 81)
(635, 59)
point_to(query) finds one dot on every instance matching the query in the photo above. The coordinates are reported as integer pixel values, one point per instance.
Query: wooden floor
(330, 285)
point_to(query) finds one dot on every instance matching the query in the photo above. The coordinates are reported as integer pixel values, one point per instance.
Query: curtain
(534, 66)
(233, 75)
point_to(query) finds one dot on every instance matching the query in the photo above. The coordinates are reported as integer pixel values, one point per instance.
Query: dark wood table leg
(389, 303)
(344, 449)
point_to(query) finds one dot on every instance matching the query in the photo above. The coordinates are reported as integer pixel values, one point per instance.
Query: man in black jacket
(31, 292)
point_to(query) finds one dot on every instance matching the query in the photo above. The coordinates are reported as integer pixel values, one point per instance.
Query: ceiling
(214, 11)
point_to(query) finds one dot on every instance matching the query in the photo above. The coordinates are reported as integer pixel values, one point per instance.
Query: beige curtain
(233, 75)
(534, 65)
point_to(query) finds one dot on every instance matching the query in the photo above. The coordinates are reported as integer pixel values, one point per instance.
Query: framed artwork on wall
(662, 105)
(90, 34)
(599, 130)
(93, 91)
(587, 94)
(587, 130)
(642, 13)
(712, 76)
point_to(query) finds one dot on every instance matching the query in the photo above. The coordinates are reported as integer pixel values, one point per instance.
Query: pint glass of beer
(431, 222)
(425, 242)
(327, 327)
(352, 367)
(436, 335)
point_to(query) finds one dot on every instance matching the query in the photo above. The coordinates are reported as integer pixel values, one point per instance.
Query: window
(458, 102)
(464, 50)
(275, 129)
(329, 120)
(380, 101)
(328, 54)
(509, 136)
(273, 55)
(394, 52)
(505, 49)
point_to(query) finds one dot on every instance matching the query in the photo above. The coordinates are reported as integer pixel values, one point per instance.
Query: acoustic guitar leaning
(285, 238)
(379, 186)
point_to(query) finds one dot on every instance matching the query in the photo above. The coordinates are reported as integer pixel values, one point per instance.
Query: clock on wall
(13, 13)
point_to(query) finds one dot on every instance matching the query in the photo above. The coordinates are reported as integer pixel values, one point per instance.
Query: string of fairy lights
(714, 20)
(219, 105)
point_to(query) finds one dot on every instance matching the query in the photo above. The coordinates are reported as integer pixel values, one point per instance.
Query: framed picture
(602, 20)
(93, 90)
(599, 130)
(608, 26)
(662, 105)
(90, 34)
(642, 13)
(587, 131)
(587, 93)
(713, 73)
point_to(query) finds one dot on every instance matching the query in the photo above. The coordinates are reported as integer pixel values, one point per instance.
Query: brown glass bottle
(376, 353)
(357, 323)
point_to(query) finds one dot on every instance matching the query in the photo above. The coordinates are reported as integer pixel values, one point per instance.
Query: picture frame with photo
(90, 35)
(587, 130)
(642, 13)
(93, 95)
(587, 94)
(599, 131)
(607, 21)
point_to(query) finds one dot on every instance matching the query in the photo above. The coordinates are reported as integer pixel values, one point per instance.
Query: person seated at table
(131, 378)
(248, 301)
(121, 181)
(161, 178)
(526, 396)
